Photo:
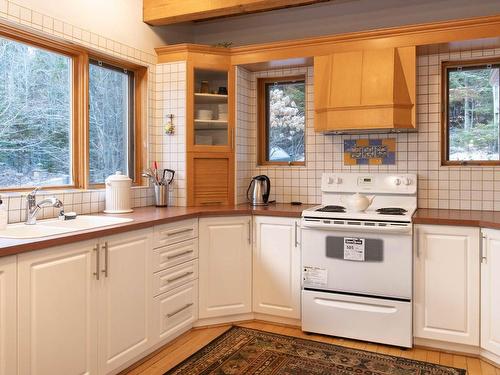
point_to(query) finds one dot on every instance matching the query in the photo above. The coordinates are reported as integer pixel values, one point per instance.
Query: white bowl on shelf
(205, 114)
(223, 116)
(204, 139)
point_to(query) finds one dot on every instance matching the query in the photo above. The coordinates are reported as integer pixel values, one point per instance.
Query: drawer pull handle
(180, 231)
(179, 277)
(180, 310)
(179, 255)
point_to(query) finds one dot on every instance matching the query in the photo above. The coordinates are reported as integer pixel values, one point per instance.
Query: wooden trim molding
(445, 139)
(412, 35)
(262, 125)
(164, 12)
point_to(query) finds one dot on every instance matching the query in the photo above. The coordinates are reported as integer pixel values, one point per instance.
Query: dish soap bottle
(3, 215)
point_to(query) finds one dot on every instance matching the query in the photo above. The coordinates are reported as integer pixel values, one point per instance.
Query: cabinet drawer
(171, 233)
(176, 310)
(171, 278)
(169, 256)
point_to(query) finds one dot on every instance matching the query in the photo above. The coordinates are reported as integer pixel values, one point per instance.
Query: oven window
(355, 249)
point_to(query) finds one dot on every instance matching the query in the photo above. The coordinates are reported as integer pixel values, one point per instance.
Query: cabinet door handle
(482, 250)
(179, 255)
(180, 231)
(171, 280)
(415, 243)
(106, 256)
(180, 310)
(97, 262)
(231, 138)
(296, 238)
(249, 232)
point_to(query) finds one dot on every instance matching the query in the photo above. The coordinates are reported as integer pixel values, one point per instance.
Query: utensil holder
(161, 195)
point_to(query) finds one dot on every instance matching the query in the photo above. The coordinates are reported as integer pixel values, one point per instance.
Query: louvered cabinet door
(210, 179)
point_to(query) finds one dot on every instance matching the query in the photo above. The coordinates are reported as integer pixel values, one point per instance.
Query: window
(111, 121)
(35, 116)
(66, 120)
(471, 130)
(281, 120)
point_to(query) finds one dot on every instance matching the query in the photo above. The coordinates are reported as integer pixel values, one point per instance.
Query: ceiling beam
(164, 12)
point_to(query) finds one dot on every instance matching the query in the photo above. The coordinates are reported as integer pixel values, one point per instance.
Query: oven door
(357, 262)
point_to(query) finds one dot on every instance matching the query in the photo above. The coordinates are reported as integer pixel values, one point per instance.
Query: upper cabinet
(365, 90)
(210, 124)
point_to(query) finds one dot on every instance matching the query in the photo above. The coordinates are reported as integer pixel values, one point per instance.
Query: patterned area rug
(248, 351)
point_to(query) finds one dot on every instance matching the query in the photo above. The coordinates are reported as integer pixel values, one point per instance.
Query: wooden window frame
(262, 133)
(139, 90)
(80, 57)
(445, 66)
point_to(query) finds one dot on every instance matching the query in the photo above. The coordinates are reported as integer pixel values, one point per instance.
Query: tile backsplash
(445, 187)
(439, 186)
(79, 201)
(170, 150)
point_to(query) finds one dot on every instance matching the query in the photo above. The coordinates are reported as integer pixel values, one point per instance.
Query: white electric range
(357, 266)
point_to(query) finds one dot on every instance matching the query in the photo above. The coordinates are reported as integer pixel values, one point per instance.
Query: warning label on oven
(315, 275)
(354, 249)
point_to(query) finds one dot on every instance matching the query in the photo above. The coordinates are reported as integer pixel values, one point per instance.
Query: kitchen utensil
(359, 202)
(118, 199)
(167, 180)
(258, 191)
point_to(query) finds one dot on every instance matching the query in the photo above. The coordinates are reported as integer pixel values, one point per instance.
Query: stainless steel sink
(53, 227)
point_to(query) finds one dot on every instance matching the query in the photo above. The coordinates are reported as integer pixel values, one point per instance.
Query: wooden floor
(193, 340)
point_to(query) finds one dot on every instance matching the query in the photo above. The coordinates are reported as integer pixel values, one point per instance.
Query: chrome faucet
(32, 207)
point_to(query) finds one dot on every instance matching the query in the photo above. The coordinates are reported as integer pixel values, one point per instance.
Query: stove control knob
(407, 181)
(334, 180)
(397, 181)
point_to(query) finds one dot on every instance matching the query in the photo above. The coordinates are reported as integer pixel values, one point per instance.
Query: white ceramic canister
(118, 199)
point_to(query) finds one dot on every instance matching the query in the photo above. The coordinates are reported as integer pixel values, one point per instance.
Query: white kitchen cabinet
(276, 266)
(225, 266)
(124, 298)
(8, 315)
(58, 310)
(446, 297)
(490, 291)
(84, 308)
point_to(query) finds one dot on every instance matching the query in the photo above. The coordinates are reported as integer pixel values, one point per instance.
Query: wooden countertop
(468, 218)
(146, 217)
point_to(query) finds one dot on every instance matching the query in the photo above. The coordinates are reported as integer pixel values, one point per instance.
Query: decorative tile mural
(370, 151)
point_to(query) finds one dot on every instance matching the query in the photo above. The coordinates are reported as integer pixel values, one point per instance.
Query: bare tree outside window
(283, 122)
(35, 116)
(473, 113)
(110, 121)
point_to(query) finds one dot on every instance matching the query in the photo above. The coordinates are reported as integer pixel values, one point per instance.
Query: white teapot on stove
(359, 202)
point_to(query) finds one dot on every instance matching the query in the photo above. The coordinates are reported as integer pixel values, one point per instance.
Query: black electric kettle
(258, 191)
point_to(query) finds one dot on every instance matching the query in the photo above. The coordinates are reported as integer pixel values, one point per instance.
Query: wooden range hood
(365, 91)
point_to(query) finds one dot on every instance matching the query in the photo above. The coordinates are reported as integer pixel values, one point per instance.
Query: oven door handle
(356, 306)
(358, 228)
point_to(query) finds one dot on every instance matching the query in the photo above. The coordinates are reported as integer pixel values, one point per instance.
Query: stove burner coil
(331, 209)
(392, 211)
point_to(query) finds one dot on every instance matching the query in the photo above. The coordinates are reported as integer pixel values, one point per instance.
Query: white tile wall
(170, 150)
(444, 187)
(439, 187)
(92, 201)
